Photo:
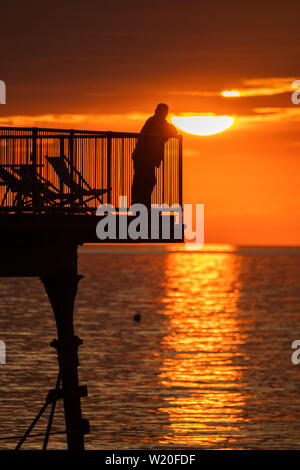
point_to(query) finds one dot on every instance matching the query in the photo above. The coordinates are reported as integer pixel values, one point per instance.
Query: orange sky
(105, 66)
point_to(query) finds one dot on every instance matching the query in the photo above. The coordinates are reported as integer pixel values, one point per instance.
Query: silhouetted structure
(51, 183)
(149, 154)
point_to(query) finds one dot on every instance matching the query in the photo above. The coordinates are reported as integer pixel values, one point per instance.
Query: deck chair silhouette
(12, 183)
(79, 189)
(23, 181)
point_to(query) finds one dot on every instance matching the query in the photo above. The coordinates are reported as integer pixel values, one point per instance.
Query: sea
(183, 348)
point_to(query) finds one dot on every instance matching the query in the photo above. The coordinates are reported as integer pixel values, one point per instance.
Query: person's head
(162, 110)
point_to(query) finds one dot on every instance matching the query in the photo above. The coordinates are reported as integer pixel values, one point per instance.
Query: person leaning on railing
(149, 153)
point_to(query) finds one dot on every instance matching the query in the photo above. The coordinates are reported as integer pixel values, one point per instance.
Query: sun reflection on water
(200, 368)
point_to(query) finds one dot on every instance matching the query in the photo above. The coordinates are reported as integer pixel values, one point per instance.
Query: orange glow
(203, 125)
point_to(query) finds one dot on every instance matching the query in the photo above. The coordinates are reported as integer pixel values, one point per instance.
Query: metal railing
(72, 171)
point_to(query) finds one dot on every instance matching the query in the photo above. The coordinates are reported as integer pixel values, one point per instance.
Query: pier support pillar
(61, 288)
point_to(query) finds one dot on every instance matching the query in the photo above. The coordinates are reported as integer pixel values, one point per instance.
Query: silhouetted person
(149, 153)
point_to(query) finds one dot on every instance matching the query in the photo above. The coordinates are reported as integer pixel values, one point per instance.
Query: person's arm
(172, 130)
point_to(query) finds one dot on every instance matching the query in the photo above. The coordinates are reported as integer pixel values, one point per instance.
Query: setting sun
(203, 125)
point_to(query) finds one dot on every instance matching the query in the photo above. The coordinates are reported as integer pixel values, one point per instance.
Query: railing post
(33, 158)
(108, 176)
(180, 170)
(71, 150)
(163, 201)
(62, 154)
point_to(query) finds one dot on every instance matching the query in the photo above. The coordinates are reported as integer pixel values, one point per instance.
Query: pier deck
(51, 183)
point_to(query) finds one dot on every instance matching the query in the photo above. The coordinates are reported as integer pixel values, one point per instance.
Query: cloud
(134, 120)
(71, 119)
(267, 86)
(273, 115)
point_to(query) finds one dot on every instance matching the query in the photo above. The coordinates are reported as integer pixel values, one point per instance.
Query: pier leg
(61, 289)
